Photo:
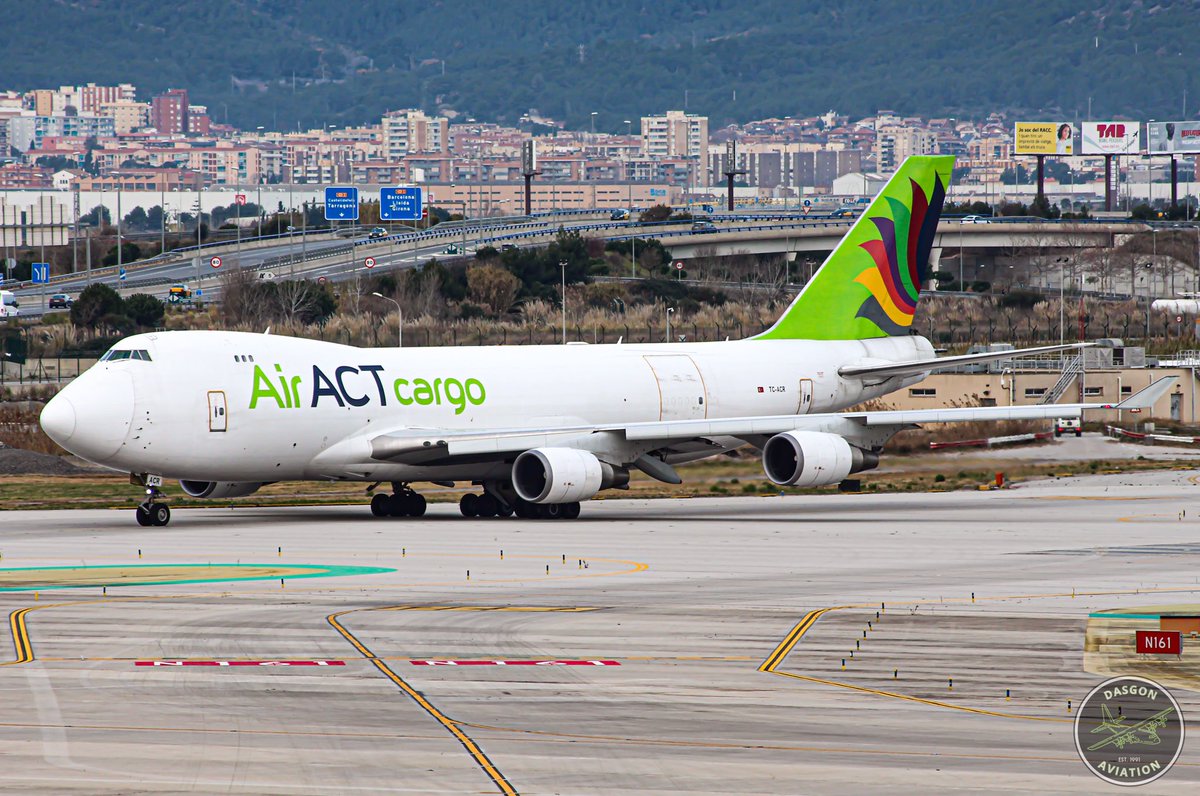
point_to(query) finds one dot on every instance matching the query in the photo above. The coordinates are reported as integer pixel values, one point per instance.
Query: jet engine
(563, 475)
(220, 489)
(813, 458)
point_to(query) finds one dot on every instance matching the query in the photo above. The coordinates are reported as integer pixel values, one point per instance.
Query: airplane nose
(58, 419)
(92, 415)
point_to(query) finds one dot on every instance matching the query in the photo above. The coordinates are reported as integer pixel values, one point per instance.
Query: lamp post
(562, 264)
(670, 312)
(399, 319)
(594, 122)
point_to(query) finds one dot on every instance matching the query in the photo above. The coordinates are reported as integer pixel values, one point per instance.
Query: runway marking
(1085, 497)
(513, 608)
(15, 579)
(477, 754)
(478, 662)
(238, 663)
(781, 651)
(1138, 518)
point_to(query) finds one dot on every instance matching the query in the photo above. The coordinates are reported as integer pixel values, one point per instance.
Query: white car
(1067, 425)
(976, 220)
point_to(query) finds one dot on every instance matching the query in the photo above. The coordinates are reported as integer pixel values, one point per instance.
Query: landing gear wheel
(160, 514)
(414, 505)
(487, 506)
(469, 505)
(552, 511)
(525, 510)
(142, 513)
(379, 505)
(505, 511)
(570, 511)
(397, 506)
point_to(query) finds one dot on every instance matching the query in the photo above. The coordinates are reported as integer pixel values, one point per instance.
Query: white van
(8, 304)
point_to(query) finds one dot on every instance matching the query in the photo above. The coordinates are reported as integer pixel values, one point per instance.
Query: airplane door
(218, 417)
(806, 396)
(680, 387)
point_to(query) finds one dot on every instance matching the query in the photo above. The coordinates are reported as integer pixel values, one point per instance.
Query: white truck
(9, 306)
(1068, 425)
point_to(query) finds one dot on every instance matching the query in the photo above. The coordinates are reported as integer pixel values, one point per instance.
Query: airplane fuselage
(230, 406)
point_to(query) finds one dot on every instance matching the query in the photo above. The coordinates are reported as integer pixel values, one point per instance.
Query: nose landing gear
(150, 512)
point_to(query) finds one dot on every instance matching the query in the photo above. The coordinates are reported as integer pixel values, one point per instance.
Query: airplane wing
(413, 446)
(915, 366)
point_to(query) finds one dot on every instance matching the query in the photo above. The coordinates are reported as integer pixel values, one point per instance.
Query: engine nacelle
(220, 489)
(813, 458)
(563, 475)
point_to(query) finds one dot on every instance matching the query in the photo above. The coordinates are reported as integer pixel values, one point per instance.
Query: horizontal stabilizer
(888, 369)
(1147, 397)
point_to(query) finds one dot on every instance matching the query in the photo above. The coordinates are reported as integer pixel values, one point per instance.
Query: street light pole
(670, 312)
(562, 264)
(399, 319)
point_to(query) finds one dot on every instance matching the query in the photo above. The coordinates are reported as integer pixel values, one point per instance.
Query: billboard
(1166, 137)
(1110, 138)
(1044, 138)
(529, 157)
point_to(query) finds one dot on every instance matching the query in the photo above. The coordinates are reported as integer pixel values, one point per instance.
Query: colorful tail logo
(869, 285)
(901, 257)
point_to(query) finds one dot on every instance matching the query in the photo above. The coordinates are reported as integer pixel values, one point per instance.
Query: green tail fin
(869, 285)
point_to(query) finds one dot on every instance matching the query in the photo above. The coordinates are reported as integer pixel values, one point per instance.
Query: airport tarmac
(671, 646)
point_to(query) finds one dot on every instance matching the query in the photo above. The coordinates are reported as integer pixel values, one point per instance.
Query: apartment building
(675, 135)
(409, 131)
(27, 131)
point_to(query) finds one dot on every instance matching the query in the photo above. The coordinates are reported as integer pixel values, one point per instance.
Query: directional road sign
(215, 262)
(41, 273)
(341, 204)
(400, 204)
(369, 262)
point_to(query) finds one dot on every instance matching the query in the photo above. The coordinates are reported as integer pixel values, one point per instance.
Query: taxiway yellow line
(20, 634)
(477, 754)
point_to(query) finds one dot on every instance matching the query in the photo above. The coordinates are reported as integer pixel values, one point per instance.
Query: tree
(129, 253)
(97, 216)
(136, 219)
(656, 213)
(493, 287)
(145, 310)
(96, 302)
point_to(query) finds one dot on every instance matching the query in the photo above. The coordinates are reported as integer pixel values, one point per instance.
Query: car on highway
(620, 214)
(61, 301)
(703, 226)
(377, 233)
(179, 293)
(1068, 425)
(976, 220)
(844, 212)
(508, 247)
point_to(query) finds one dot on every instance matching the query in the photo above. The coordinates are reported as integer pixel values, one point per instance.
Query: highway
(344, 258)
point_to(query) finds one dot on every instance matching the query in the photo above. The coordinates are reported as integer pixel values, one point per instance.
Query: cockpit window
(115, 354)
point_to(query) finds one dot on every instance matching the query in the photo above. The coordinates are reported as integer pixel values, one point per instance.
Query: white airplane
(539, 428)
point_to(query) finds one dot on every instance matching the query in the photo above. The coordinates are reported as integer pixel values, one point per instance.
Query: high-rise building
(127, 115)
(169, 112)
(676, 135)
(408, 131)
(92, 97)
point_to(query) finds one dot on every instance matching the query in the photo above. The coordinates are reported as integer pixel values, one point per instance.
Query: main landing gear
(404, 502)
(487, 505)
(150, 511)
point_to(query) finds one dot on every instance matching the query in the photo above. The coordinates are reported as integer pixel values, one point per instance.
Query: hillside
(304, 62)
